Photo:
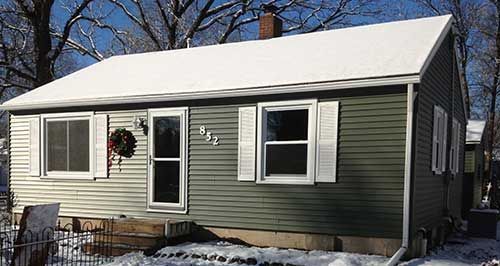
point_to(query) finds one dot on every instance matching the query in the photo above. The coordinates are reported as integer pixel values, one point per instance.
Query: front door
(167, 160)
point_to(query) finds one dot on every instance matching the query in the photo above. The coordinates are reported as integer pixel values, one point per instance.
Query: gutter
(407, 179)
(203, 95)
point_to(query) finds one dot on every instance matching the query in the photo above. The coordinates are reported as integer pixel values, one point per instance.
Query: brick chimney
(270, 26)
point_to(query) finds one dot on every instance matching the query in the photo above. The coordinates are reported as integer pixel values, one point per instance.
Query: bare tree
(485, 76)
(166, 25)
(466, 15)
(32, 40)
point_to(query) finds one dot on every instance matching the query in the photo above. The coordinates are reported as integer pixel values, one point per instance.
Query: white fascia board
(461, 81)
(449, 27)
(323, 86)
(436, 46)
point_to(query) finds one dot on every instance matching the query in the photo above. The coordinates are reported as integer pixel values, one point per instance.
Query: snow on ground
(463, 251)
(459, 251)
(223, 253)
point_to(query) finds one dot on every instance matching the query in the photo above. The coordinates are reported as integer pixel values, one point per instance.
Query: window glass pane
(79, 145)
(166, 182)
(287, 125)
(56, 146)
(167, 137)
(289, 159)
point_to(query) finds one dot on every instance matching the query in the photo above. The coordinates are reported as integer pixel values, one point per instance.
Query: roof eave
(320, 86)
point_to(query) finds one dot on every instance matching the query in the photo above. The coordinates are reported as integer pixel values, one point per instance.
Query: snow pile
(464, 251)
(223, 253)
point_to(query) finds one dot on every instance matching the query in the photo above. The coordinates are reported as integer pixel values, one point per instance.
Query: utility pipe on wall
(410, 98)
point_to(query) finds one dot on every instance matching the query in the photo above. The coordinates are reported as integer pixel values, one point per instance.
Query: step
(113, 250)
(154, 227)
(129, 239)
(133, 234)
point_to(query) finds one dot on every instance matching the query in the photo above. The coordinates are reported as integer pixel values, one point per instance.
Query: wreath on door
(121, 143)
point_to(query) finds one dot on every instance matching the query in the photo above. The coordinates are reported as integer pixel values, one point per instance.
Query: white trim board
(323, 86)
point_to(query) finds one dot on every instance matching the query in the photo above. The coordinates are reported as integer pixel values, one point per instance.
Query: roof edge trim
(436, 46)
(323, 86)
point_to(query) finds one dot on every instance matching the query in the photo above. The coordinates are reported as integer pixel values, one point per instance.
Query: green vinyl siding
(474, 169)
(366, 200)
(469, 163)
(439, 86)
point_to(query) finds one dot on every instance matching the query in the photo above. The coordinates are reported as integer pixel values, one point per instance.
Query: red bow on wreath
(122, 143)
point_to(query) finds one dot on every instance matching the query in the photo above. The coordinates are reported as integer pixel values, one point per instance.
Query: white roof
(393, 49)
(475, 129)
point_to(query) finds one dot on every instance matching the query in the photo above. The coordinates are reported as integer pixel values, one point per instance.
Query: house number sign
(209, 136)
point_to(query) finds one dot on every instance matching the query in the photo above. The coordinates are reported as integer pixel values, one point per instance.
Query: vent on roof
(270, 25)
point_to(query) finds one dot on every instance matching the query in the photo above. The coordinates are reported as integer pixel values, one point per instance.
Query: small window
(439, 140)
(287, 141)
(67, 144)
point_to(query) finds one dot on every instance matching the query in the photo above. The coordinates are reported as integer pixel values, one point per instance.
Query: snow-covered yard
(463, 251)
(457, 252)
(223, 253)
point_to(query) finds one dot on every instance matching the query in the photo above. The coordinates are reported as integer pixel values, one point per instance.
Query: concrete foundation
(364, 245)
(303, 241)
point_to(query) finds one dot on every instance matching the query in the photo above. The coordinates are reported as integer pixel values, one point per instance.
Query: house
(349, 139)
(474, 165)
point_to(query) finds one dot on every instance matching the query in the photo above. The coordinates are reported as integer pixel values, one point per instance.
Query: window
(286, 142)
(455, 147)
(439, 140)
(67, 145)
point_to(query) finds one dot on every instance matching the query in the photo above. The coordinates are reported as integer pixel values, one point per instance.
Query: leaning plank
(37, 225)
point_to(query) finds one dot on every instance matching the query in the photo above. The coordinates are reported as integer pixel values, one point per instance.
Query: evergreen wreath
(122, 143)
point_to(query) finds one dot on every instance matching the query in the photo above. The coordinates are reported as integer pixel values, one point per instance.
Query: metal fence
(89, 243)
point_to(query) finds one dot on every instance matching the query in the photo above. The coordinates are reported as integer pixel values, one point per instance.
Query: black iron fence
(88, 243)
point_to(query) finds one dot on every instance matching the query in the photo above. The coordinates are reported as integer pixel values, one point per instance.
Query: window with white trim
(455, 147)
(439, 140)
(286, 142)
(67, 144)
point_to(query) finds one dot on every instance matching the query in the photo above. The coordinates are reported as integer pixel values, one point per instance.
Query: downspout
(407, 179)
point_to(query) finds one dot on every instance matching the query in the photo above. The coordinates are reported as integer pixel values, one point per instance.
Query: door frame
(181, 112)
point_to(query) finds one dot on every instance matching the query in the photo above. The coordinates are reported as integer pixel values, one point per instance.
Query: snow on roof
(475, 129)
(391, 49)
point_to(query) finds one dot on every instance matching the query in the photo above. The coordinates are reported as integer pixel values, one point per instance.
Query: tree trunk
(492, 111)
(43, 42)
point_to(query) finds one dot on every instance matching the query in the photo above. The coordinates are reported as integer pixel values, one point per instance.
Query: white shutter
(34, 146)
(444, 142)
(435, 139)
(101, 145)
(326, 157)
(246, 143)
